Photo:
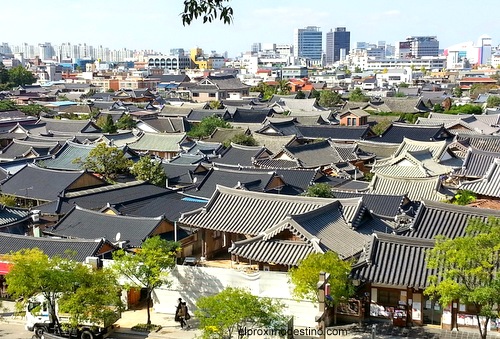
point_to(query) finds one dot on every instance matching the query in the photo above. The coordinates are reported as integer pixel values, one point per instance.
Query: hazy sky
(156, 24)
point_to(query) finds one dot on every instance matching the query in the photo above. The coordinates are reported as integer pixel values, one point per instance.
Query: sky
(157, 25)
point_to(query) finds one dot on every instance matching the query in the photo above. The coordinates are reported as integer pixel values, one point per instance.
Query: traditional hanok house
(163, 145)
(163, 125)
(450, 221)
(88, 251)
(69, 127)
(126, 231)
(398, 105)
(226, 87)
(274, 143)
(488, 186)
(120, 139)
(184, 175)
(256, 181)
(15, 220)
(33, 185)
(241, 156)
(391, 275)
(206, 148)
(134, 95)
(292, 239)
(197, 115)
(467, 124)
(488, 143)
(396, 133)
(290, 104)
(346, 134)
(20, 149)
(251, 119)
(476, 164)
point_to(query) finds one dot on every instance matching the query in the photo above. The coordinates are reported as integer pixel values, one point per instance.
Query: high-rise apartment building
(308, 44)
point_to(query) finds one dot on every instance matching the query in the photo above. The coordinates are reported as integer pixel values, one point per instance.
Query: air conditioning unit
(35, 215)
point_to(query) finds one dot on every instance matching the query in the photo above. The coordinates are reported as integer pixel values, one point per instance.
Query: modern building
(338, 44)
(466, 54)
(170, 62)
(421, 46)
(308, 44)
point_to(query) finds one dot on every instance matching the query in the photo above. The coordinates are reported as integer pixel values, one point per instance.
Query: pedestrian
(184, 315)
(177, 310)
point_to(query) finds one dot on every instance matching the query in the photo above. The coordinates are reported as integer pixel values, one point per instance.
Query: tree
(493, 101)
(209, 10)
(437, 108)
(84, 293)
(403, 85)
(33, 109)
(149, 267)
(108, 161)
(7, 105)
(320, 190)
(4, 74)
(150, 170)
(381, 126)
(234, 310)
(8, 200)
(20, 76)
(62, 97)
(300, 95)
(464, 197)
(241, 139)
(284, 87)
(207, 126)
(458, 92)
(329, 98)
(358, 69)
(106, 124)
(466, 270)
(126, 122)
(315, 93)
(305, 277)
(215, 104)
(357, 96)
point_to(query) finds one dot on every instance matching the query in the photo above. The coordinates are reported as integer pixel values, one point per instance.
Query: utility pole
(323, 290)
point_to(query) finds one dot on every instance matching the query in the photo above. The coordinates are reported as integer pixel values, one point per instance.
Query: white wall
(190, 283)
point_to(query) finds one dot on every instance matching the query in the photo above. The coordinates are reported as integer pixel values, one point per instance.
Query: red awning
(5, 267)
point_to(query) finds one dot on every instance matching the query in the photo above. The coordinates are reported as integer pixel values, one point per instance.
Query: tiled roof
(84, 224)
(286, 127)
(272, 142)
(489, 184)
(167, 124)
(436, 218)
(249, 115)
(411, 164)
(395, 261)
(56, 126)
(205, 147)
(9, 215)
(18, 149)
(222, 134)
(170, 110)
(162, 142)
(119, 139)
(292, 105)
(227, 82)
(488, 143)
(476, 163)
(39, 183)
(250, 212)
(198, 115)
(52, 247)
(334, 132)
(64, 159)
(257, 181)
(382, 205)
(188, 159)
(469, 124)
(415, 189)
(99, 197)
(380, 149)
(239, 155)
(436, 148)
(396, 133)
(314, 154)
(400, 105)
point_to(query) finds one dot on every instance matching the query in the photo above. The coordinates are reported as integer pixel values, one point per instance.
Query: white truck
(39, 321)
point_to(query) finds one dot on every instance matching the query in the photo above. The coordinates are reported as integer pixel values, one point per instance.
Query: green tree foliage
(126, 122)
(108, 161)
(265, 90)
(305, 277)
(20, 76)
(465, 109)
(300, 95)
(150, 170)
(381, 126)
(329, 98)
(466, 270)
(458, 92)
(33, 109)
(464, 197)
(403, 85)
(34, 273)
(233, 309)
(215, 104)
(8, 200)
(357, 96)
(62, 97)
(437, 108)
(208, 10)
(320, 190)
(241, 139)
(207, 126)
(149, 267)
(106, 124)
(7, 105)
(283, 87)
(4, 74)
(476, 89)
(400, 95)
(493, 101)
(315, 94)
(358, 69)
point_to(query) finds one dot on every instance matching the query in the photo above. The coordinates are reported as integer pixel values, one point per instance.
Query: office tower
(256, 47)
(329, 48)
(308, 44)
(341, 43)
(423, 46)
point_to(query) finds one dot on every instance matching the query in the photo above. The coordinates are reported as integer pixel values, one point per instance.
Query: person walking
(184, 315)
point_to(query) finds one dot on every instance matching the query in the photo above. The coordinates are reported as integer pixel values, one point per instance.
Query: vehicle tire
(87, 334)
(39, 330)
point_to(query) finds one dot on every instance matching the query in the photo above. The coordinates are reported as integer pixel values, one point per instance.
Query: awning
(5, 267)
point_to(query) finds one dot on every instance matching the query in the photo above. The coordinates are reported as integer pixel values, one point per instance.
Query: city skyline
(115, 25)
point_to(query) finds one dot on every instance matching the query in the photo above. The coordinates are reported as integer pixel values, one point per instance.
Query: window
(353, 121)
(211, 95)
(196, 94)
(348, 121)
(388, 297)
